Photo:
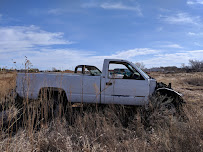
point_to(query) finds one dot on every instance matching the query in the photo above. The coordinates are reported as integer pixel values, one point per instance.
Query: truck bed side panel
(29, 85)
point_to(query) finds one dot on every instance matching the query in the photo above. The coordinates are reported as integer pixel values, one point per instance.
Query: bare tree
(140, 65)
(196, 65)
(55, 70)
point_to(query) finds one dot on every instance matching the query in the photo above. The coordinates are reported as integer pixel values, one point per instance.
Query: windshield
(142, 72)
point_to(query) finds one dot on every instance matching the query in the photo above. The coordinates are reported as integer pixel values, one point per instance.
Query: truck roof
(119, 60)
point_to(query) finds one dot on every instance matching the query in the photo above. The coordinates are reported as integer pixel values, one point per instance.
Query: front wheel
(169, 100)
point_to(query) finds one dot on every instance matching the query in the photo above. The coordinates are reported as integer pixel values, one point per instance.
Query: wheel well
(177, 98)
(51, 92)
(168, 92)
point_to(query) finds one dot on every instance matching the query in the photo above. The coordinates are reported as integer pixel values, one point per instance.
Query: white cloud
(155, 58)
(195, 34)
(193, 2)
(114, 6)
(177, 46)
(120, 6)
(69, 58)
(173, 59)
(72, 58)
(127, 54)
(198, 44)
(56, 11)
(181, 18)
(20, 41)
(167, 44)
(191, 33)
(22, 38)
(90, 5)
(46, 58)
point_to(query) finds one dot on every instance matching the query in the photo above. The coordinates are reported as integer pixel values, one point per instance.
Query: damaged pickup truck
(120, 82)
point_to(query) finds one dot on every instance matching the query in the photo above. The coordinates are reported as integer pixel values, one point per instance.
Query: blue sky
(65, 33)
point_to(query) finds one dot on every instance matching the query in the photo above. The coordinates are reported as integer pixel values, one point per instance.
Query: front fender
(168, 90)
(178, 97)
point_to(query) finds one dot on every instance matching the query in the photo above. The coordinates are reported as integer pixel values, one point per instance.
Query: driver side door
(125, 87)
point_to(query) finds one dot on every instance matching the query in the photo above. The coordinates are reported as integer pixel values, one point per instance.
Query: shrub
(196, 66)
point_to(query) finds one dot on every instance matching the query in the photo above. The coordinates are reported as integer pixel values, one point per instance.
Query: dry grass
(7, 82)
(196, 81)
(110, 128)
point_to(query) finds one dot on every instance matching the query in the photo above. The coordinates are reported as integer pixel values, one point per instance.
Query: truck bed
(77, 86)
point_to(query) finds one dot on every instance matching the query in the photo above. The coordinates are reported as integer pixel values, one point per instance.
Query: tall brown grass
(101, 128)
(196, 81)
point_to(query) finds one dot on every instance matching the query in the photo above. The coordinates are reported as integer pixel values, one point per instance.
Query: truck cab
(122, 82)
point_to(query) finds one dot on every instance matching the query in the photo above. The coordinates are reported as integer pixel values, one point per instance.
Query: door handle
(108, 83)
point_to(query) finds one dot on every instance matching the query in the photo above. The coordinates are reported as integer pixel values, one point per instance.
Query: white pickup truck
(120, 82)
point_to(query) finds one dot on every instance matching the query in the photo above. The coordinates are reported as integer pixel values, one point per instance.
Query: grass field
(112, 128)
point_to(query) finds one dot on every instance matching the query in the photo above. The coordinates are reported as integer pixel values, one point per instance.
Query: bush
(196, 66)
